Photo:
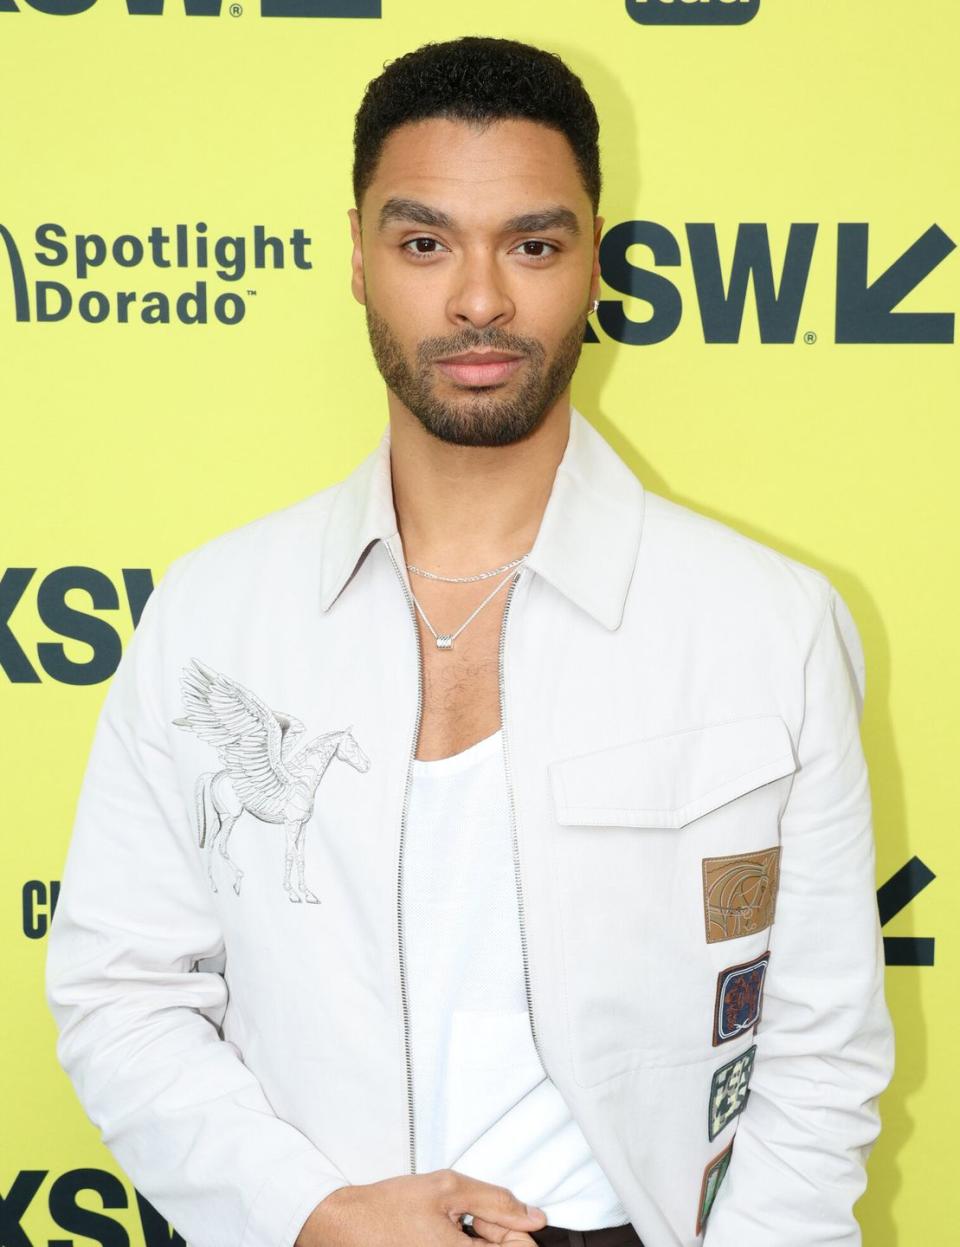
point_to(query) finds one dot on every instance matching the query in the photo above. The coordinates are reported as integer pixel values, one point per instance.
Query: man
(587, 917)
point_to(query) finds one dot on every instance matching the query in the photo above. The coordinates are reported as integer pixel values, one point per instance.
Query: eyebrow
(548, 218)
(413, 210)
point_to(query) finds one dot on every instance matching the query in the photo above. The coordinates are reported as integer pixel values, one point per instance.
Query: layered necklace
(445, 640)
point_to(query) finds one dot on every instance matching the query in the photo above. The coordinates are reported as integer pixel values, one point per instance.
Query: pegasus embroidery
(267, 770)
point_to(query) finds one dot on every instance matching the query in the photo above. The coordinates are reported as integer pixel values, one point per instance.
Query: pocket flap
(667, 781)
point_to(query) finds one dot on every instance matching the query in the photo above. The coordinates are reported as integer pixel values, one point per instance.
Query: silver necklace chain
(445, 640)
(463, 579)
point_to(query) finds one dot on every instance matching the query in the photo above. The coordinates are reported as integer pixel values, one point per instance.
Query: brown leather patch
(740, 893)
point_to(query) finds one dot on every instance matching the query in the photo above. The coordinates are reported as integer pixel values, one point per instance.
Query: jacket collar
(586, 546)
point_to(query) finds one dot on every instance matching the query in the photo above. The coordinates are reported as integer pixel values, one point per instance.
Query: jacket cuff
(287, 1198)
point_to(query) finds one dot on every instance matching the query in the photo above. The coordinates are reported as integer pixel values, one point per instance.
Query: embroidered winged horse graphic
(266, 771)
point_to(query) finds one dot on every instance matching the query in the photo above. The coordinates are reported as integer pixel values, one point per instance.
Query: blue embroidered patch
(739, 994)
(713, 1175)
(728, 1091)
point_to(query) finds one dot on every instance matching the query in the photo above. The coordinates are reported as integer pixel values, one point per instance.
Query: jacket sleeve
(824, 1040)
(138, 1017)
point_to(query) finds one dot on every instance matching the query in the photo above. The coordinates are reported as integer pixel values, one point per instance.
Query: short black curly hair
(477, 79)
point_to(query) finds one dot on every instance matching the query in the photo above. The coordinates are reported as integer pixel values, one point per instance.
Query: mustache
(429, 349)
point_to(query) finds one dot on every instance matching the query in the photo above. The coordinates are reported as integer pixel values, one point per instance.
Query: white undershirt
(482, 1102)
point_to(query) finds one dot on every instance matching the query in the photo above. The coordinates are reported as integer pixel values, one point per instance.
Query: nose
(480, 296)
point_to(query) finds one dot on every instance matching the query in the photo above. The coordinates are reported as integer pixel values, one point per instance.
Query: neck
(465, 509)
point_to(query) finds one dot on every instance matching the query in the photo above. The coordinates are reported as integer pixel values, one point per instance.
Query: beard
(479, 418)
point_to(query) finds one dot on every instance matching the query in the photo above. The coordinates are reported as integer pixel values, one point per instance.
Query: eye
(411, 246)
(539, 242)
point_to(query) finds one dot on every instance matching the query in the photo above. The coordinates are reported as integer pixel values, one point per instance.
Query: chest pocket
(639, 828)
(668, 781)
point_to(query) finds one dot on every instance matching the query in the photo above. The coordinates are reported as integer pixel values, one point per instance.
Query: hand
(419, 1210)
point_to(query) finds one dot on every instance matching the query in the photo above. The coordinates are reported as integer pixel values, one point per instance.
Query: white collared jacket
(693, 850)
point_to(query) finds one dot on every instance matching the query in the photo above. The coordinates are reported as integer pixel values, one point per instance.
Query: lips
(479, 368)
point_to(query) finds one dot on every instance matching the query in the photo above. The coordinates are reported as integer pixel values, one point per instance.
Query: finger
(492, 1232)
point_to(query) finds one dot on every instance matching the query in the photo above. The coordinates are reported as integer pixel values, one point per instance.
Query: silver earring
(593, 307)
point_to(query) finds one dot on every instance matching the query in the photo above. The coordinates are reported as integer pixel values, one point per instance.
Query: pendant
(444, 642)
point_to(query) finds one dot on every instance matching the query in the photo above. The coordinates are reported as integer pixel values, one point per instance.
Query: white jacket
(680, 707)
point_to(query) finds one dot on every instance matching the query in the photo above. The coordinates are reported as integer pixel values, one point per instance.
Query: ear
(595, 275)
(357, 284)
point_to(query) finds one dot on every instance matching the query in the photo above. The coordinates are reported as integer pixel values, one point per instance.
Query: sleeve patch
(713, 1175)
(739, 999)
(740, 893)
(728, 1091)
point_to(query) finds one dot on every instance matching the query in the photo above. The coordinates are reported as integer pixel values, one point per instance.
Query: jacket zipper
(513, 821)
(403, 827)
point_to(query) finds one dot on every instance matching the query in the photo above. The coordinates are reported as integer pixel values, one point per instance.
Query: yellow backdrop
(819, 134)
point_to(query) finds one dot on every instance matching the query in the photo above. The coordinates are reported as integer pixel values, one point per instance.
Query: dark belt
(560, 1236)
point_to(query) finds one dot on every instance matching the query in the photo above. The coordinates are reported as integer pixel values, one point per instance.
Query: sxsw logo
(209, 8)
(864, 309)
(693, 12)
(77, 1217)
(52, 603)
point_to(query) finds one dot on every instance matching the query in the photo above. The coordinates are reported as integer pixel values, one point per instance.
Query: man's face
(479, 242)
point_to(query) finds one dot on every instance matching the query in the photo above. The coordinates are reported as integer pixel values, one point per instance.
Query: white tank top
(483, 1104)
